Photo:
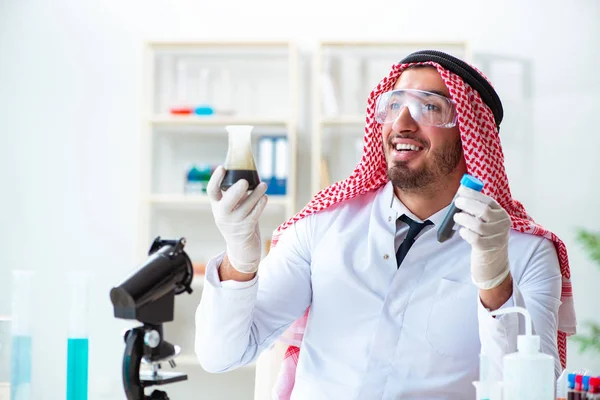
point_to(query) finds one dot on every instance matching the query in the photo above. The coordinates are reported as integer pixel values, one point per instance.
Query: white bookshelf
(198, 200)
(343, 120)
(351, 69)
(166, 119)
(263, 73)
(249, 83)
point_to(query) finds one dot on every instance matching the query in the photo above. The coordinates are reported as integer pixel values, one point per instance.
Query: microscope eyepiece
(147, 295)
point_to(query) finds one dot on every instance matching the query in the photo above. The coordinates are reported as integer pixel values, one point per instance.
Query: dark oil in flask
(239, 163)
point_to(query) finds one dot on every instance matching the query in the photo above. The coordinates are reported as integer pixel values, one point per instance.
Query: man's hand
(236, 215)
(486, 226)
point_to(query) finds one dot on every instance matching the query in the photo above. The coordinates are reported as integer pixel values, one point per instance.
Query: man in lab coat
(374, 305)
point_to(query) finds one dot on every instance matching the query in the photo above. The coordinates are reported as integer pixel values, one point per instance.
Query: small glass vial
(446, 229)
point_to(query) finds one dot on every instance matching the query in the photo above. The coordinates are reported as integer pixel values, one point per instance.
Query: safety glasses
(426, 108)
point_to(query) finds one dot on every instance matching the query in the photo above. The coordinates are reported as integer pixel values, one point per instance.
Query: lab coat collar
(400, 208)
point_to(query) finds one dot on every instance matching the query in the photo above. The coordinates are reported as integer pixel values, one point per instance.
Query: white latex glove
(236, 215)
(486, 226)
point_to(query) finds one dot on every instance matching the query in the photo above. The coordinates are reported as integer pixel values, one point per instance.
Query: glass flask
(239, 163)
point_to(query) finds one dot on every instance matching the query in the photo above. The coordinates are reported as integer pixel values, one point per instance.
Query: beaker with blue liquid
(21, 335)
(5, 342)
(78, 341)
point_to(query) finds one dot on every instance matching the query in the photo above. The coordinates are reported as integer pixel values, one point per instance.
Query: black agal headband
(466, 72)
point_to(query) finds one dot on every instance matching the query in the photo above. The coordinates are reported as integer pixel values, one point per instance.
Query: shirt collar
(400, 208)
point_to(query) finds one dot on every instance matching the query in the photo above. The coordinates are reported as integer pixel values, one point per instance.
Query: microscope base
(157, 395)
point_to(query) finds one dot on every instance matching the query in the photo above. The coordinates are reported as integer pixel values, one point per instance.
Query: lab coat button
(385, 256)
(390, 218)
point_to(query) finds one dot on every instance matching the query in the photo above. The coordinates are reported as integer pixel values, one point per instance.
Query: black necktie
(413, 230)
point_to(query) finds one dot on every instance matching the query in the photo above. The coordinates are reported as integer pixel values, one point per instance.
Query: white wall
(70, 84)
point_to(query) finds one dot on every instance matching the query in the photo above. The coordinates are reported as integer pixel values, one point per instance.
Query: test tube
(21, 330)
(446, 229)
(77, 341)
(571, 386)
(5, 323)
(182, 102)
(574, 392)
(594, 388)
(585, 381)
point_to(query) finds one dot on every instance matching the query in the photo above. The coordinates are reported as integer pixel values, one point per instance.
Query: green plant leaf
(591, 243)
(590, 341)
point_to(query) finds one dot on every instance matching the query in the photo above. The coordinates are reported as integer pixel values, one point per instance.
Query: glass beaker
(181, 104)
(21, 329)
(77, 341)
(239, 163)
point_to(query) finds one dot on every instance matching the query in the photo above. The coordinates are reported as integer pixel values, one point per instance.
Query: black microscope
(148, 296)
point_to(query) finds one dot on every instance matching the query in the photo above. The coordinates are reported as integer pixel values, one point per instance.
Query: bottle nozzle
(529, 342)
(522, 311)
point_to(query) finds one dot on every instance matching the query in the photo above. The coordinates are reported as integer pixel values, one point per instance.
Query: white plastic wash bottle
(528, 374)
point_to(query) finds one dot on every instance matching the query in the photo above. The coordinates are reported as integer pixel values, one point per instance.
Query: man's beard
(445, 161)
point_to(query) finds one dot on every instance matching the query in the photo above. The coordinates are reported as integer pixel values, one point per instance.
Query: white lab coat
(376, 331)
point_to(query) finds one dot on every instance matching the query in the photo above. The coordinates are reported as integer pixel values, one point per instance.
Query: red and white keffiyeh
(484, 159)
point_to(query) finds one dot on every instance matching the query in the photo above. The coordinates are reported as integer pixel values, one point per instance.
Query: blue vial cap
(471, 182)
(571, 381)
(204, 110)
(586, 382)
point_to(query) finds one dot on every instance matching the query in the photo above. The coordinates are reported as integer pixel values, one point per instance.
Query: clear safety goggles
(426, 108)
